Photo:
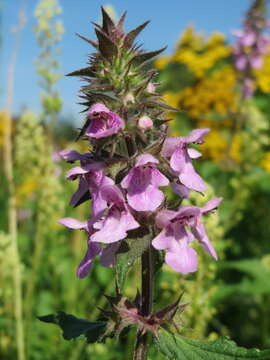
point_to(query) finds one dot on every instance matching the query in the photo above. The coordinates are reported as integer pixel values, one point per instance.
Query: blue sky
(168, 20)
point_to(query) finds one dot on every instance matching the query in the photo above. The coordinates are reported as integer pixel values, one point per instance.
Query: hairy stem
(141, 346)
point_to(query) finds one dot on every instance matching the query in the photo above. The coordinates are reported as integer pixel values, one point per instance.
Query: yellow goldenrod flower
(265, 163)
(161, 62)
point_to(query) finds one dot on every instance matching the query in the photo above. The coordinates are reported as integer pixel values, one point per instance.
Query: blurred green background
(38, 258)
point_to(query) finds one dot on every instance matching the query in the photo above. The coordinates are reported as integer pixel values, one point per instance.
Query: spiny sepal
(87, 71)
(124, 313)
(107, 47)
(131, 35)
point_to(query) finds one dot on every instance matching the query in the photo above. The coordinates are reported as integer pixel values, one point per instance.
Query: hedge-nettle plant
(131, 167)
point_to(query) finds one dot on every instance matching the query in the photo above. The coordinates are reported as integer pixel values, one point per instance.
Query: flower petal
(164, 217)
(193, 153)
(112, 230)
(107, 257)
(73, 155)
(158, 179)
(191, 179)
(196, 136)
(200, 233)
(180, 190)
(211, 205)
(148, 200)
(73, 223)
(97, 108)
(184, 260)
(179, 159)
(164, 239)
(87, 262)
(170, 145)
(81, 191)
(145, 159)
(112, 194)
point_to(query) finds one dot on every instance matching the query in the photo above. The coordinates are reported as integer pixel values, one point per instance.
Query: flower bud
(151, 87)
(145, 123)
(129, 98)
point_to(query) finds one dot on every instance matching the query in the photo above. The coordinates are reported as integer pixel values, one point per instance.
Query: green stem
(141, 346)
(11, 195)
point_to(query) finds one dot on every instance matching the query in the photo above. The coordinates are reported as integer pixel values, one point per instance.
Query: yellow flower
(214, 94)
(235, 150)
(171, 99)
(198, 53)
(262, 75)
(161, 62)
(214, 146)
(265, 163)
(25, 190)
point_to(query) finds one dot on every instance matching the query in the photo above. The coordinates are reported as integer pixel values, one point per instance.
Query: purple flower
(181, 158)
(250, 47)
(113, 224)
(179, 229)
(245, 38)
(103, 122)
(73, 155)
(107, 254)
(92, 179)
(248, 88)
(142, 184)
(145, 123)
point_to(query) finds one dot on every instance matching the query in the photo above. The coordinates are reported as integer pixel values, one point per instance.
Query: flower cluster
(250, 47)
(132, 159)
(196, 52)
(118, 208)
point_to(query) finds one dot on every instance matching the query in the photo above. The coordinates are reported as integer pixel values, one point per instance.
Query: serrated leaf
(130, 36)
(107, 48)
(74, 327)
(131, 249)
(179, 348)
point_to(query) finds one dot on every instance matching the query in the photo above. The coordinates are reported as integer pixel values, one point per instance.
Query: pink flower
(248, 88)
(151, 88)
(107, 255)
(92, 179)
(145, 122)
(73, 155)
(142, 184)
(181, 158)
(175, 236)
(103, 122)
(114, 223)
(245, 38)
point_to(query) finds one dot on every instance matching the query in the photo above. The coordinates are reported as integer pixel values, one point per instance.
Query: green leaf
(254, 282)
(130, 250)
(73, 327)
(180, 348)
